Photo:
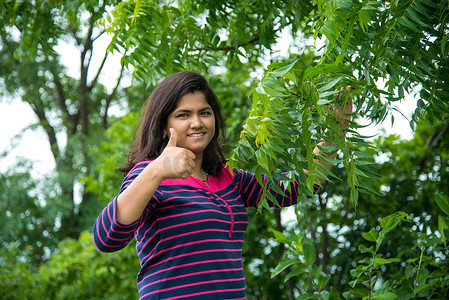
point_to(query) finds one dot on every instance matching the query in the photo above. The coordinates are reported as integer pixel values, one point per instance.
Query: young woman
(183, 206)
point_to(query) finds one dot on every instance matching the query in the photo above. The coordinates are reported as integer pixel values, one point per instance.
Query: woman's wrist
(155, 171)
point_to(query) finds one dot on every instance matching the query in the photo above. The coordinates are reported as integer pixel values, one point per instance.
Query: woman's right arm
(115, 226)
(133, 200)
(108, 233)
(174, 162)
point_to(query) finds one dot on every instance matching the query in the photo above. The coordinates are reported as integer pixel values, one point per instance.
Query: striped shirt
(190, 235)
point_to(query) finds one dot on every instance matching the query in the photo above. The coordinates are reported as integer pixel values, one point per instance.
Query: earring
(164, 135)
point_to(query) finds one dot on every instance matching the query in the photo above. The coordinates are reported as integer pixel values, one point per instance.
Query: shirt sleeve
(108, 233)
(251, 190)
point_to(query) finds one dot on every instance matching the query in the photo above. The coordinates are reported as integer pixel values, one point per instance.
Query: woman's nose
(195, 122)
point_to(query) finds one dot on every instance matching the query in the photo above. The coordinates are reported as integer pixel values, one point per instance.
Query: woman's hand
(175, 162)
(343, 115)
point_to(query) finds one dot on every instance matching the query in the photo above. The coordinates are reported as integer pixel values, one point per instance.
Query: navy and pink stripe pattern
(190, 235)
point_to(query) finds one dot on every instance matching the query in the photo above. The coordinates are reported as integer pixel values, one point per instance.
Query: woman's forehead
(192, 101)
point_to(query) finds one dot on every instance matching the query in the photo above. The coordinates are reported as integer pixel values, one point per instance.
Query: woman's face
(194, 122)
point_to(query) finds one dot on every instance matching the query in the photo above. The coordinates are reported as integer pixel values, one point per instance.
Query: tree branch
(87, 47)
(100, 34)
(94, 81)
(60, 95)
(90, 56)
(83, 89)
(432, 143)
(60, 101)
(109, 98)
(92, 21)
(324, 235)
(254, 40)
(40, 113)
(77, 39)
(207, 48)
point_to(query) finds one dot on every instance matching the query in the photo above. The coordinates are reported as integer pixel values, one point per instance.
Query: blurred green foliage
(76, 271)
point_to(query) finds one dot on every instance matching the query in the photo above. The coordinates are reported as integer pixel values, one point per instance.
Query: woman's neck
(198, 171)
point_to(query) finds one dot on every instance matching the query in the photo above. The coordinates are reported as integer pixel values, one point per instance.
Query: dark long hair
(148, 137)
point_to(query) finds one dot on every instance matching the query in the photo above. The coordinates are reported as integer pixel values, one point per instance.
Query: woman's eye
(206, 113)
(182, 115)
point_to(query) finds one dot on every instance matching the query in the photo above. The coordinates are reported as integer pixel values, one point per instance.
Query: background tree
(335, 229)
(72, 111)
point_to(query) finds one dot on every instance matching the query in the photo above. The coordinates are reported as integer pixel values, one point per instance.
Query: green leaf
(415, 17)
(354, 196)
(323, 280)
(333, 294)
(388, 296)
(443, 202)
(306, 296)
(388, 221)
(265, 205)
(328, 148)
(274, 88)
(409, 271)
(364, 18)
(276, 188)
(441, 227)
(284, 265)
(279, 236)
(384, 261)
(283, 70)
(294, 273)
(317, 271)
(421, 287)
(364, 249)
(407, 22)
(359, 292)
(273, 199)
(323, 101)
(332, 161)
(330, 84)
(309, 252)
(391, 221)
(258, 173)
(443, 44)
(312, 71)
(371, 236)
(330, 93)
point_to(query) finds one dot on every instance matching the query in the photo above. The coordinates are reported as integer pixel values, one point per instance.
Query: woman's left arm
(251, 190)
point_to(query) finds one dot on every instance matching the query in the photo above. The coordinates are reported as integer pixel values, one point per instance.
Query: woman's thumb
(173, 138)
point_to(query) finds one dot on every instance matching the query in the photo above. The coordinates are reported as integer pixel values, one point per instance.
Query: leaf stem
(419, 268)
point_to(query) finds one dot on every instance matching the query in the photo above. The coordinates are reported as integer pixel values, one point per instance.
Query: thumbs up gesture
(173, 141)
(176, 162)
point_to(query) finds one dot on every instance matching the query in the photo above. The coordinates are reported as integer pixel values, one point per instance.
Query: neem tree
(400, 45)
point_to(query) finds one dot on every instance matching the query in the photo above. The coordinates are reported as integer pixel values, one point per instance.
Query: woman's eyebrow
(183, 110)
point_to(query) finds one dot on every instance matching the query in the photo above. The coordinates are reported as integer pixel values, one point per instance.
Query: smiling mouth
(196, 134)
